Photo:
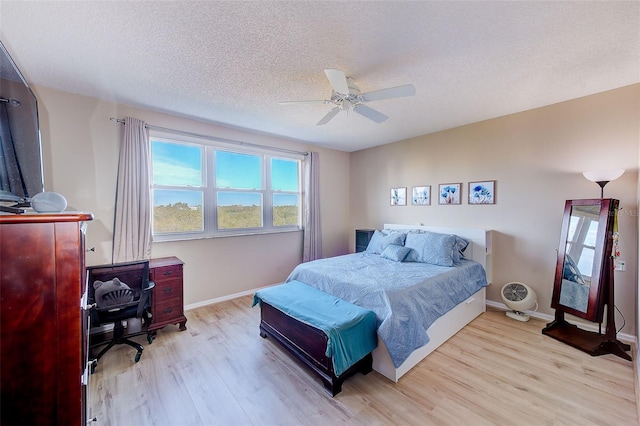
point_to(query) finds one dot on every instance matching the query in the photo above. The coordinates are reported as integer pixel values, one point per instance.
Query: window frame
(210, 190)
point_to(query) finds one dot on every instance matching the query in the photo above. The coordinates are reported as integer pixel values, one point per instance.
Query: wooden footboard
(307, 344)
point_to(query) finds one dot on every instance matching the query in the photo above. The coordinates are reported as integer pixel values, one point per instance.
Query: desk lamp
(603, 177)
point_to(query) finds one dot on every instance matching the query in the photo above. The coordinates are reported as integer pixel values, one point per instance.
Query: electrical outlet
(621, 265)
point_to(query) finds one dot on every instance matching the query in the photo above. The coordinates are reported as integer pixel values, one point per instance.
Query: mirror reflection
(579, 257)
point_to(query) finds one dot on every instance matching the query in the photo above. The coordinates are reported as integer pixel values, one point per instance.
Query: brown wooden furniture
(309, 345)
(43, 332)
(583, 219)
(130, 306)
(167, 301)
(363, 236)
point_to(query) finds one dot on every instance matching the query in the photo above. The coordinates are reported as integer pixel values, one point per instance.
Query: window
(201, 191)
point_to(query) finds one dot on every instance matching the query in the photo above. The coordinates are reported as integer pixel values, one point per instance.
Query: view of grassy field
(180, 217)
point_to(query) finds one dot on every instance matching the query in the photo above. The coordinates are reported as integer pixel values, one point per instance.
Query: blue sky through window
(165, 197)
(177, 164)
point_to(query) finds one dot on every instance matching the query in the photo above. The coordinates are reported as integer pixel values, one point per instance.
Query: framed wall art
(483, 192)
(421, 195)
(399, 196)
(450, 193)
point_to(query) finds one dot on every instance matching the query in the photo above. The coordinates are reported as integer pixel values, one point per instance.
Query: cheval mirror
(583, 282)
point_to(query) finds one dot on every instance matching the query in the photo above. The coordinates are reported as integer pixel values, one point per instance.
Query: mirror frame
(603, 247)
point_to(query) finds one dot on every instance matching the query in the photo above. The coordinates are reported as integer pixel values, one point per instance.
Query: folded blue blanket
(351, 329)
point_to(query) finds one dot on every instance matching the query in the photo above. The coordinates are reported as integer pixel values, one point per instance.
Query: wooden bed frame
(446, 326)
(309, 344)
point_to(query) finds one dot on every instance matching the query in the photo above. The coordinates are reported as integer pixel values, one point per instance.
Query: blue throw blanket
(351, 330)
(407, 297)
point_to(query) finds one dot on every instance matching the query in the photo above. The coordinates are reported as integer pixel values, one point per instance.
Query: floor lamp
(603, 177)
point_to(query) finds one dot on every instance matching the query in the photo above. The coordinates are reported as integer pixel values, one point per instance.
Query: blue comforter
(407, 297)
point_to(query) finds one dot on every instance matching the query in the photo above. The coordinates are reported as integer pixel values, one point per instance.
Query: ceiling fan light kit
(345, 95)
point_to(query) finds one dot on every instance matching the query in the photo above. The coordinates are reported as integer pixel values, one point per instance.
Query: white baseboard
(223, 299)
(546, 317)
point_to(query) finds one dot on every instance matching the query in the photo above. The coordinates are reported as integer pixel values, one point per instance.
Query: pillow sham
(460, 246)
(431, 247)
(395, 252)
(380, 241)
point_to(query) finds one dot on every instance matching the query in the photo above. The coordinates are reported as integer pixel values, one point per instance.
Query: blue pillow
(395, 252)
(431, 247)
(380, 241)
(460, 247)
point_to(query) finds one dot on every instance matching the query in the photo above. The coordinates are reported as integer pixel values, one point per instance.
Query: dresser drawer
(167, 289)
(168, 310)
(166, 272)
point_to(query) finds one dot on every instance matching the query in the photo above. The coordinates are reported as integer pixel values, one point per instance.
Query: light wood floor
(496, 371)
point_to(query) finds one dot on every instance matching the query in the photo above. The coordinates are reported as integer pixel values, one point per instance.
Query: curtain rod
(212, 138)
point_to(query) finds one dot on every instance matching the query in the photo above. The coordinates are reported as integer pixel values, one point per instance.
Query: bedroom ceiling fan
(345, 95)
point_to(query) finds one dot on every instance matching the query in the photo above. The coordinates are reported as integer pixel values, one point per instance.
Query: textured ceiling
(231, 62)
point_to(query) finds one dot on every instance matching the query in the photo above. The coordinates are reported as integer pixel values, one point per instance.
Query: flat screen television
(21, 174)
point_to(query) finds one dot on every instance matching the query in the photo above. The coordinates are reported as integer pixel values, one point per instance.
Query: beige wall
(537, 158)
(80, 149)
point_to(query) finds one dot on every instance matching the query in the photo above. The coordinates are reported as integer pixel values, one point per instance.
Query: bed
(408, 330)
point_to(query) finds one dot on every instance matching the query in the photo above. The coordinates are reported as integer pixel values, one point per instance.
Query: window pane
(585, 263)
(177, 211)
(238, 171)
(592, 233)
(176, 164)
(237, 210)
(285, 209)
(284, 175)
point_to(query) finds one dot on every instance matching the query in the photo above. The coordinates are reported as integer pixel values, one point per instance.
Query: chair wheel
(149, 338)
(138, 355)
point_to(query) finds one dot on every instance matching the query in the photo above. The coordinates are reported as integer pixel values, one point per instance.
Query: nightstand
(363, 236)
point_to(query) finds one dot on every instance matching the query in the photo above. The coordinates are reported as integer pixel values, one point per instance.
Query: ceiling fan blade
(390, 93)
(338, 81)
(320, 101)
(328, 116)
(370, 113)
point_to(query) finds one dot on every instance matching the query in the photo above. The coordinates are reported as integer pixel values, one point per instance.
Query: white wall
(80, 149)
(537, 158)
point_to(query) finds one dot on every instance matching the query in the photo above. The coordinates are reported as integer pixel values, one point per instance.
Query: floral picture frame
(482, 192)
(421, 195)
(399, 196)
(450, 193)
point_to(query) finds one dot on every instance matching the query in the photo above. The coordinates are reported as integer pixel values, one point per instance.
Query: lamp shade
(603, 175)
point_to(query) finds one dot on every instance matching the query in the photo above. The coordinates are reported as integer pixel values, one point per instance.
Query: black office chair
(112, 302)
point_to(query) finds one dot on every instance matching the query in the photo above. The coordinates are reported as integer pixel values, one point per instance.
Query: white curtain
(312, 232)
(132, 223)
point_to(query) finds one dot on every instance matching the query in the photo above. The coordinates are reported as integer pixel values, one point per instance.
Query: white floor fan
(345, 95)
(519, 297)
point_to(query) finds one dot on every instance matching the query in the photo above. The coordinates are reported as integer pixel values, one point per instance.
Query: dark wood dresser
(43, 326)
(168, 301)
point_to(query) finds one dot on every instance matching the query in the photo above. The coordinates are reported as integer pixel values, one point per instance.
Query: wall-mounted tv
(21, 174)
